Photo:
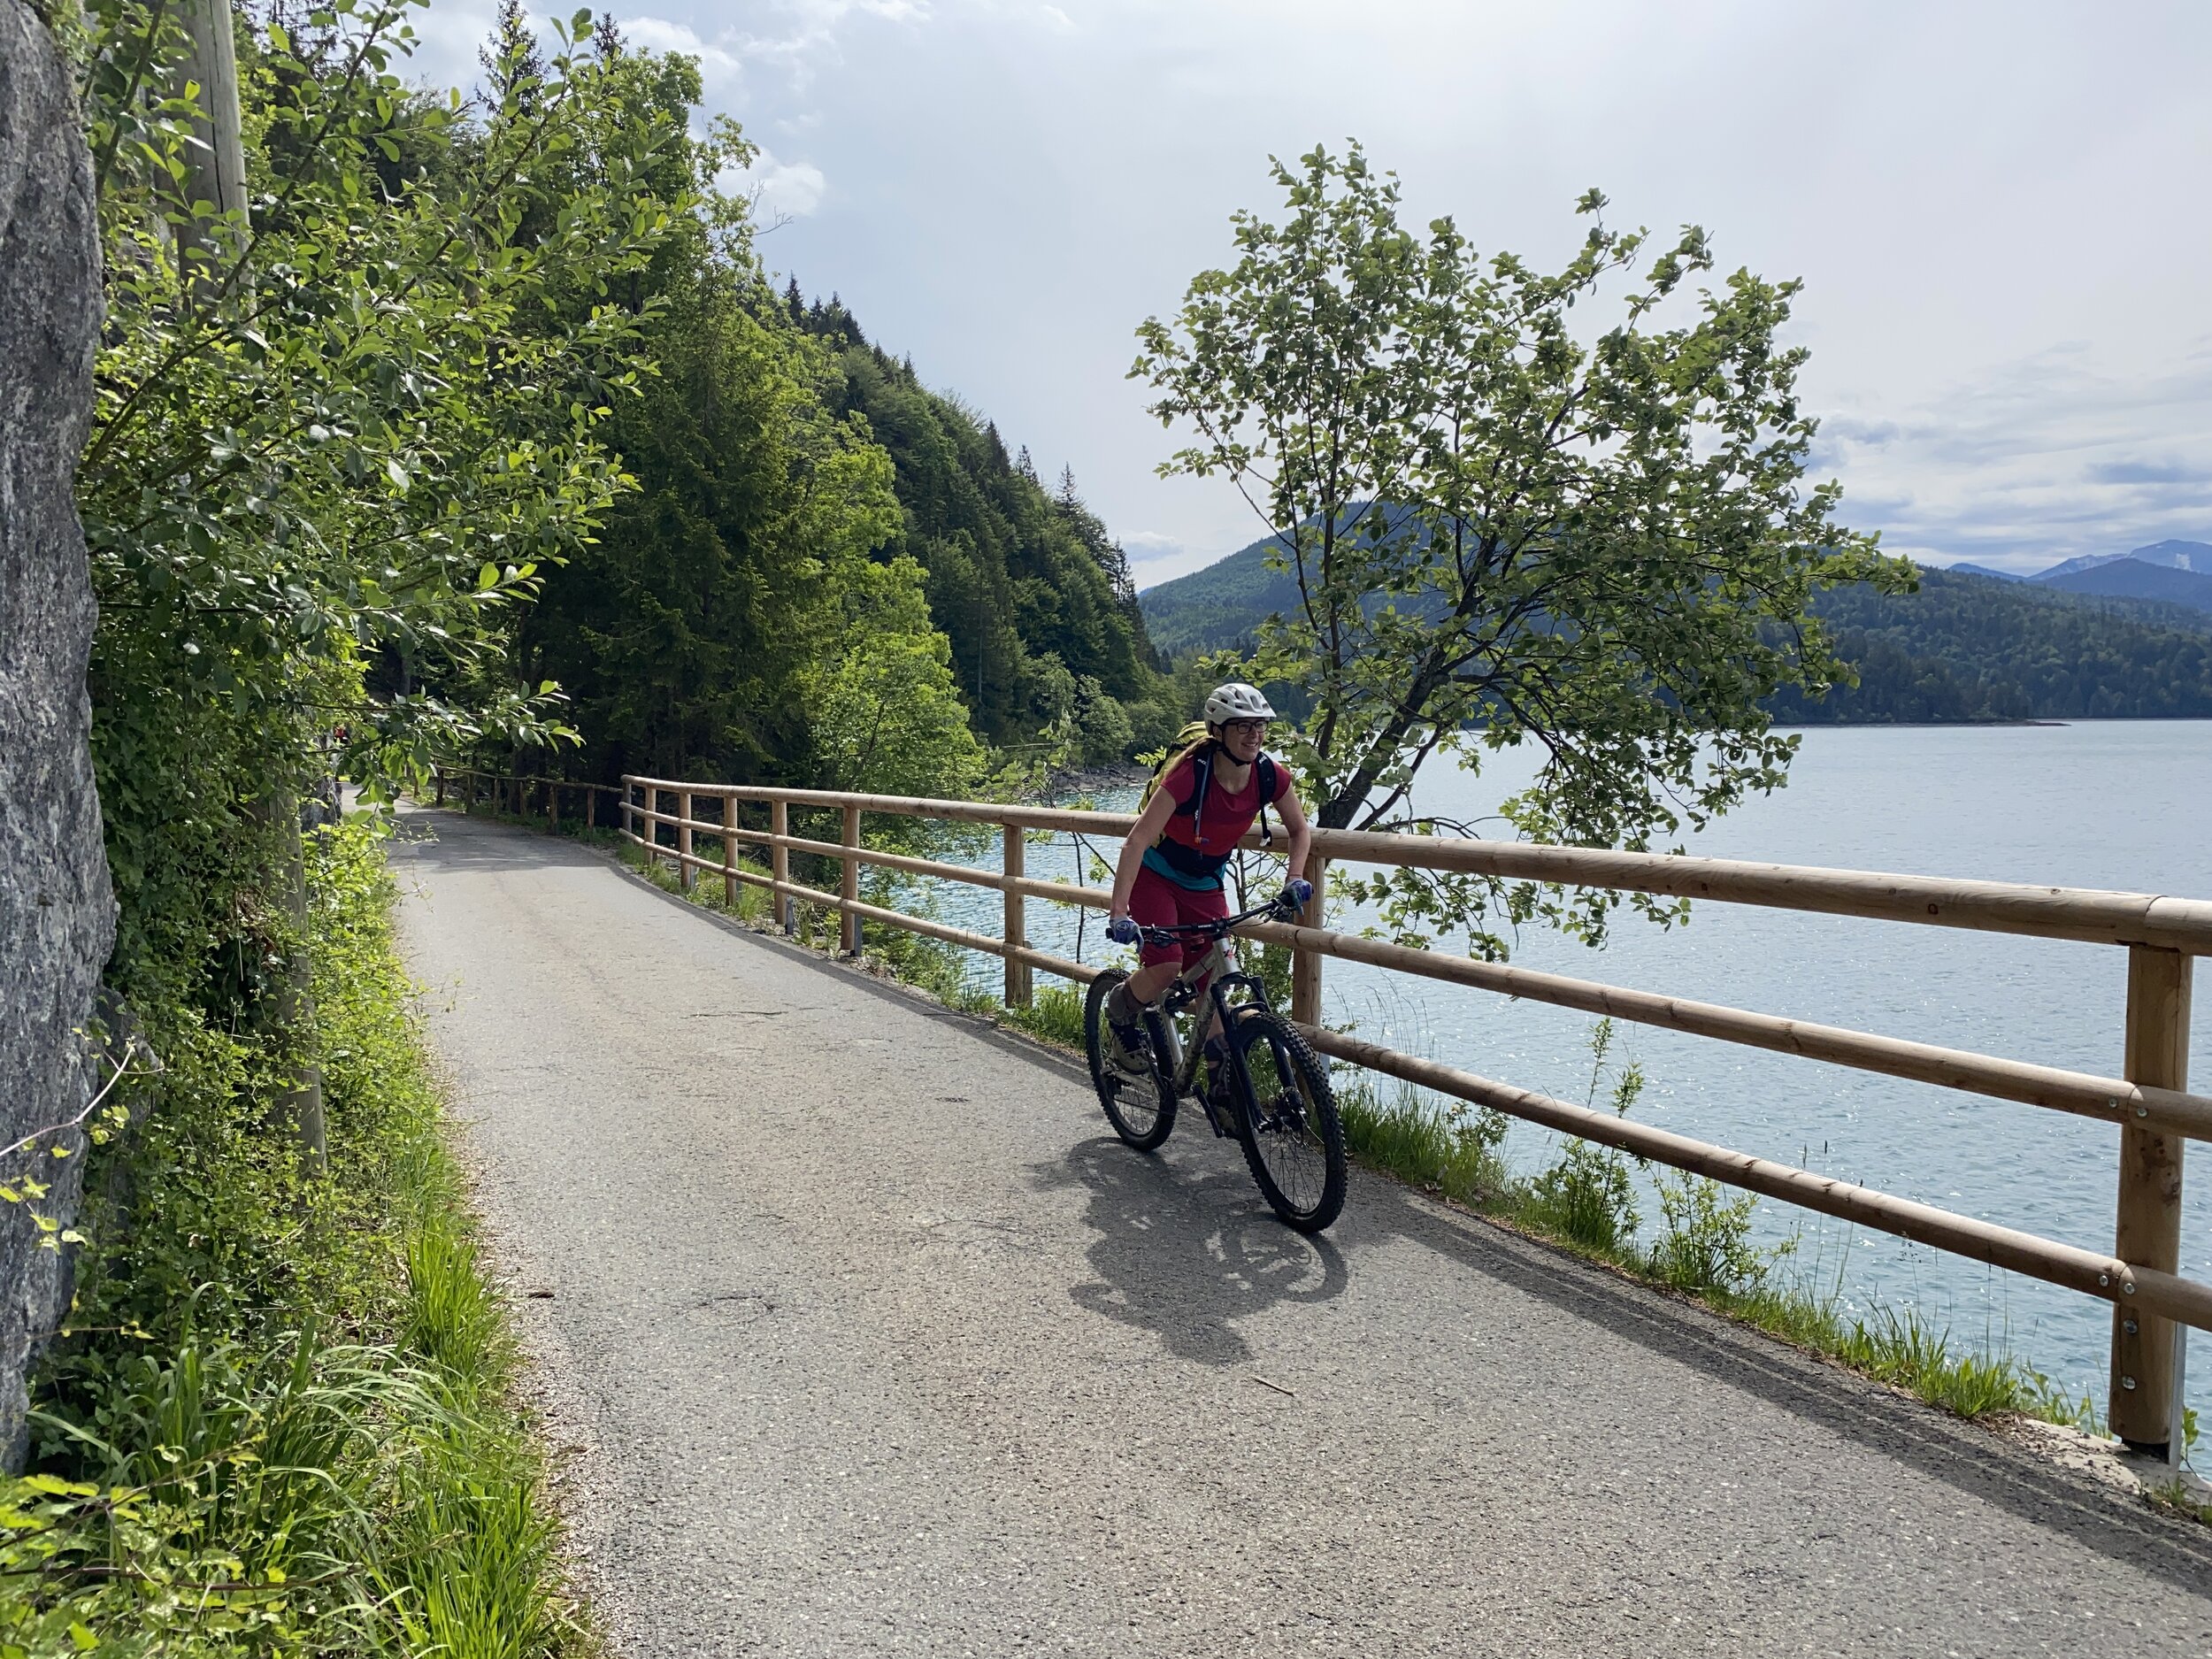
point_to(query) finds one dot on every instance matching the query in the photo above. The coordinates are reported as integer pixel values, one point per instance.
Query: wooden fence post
(2143, 1410)
(1305, 965)
(780, 860)
(686, 871)
(848, 886)
(729, 851)
(1017, 979)
(553, 806)
(439, 777)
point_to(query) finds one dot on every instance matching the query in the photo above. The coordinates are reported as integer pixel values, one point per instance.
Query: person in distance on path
(1201, 805)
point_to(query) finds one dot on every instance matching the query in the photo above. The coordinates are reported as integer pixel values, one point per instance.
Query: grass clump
(1454, 1151)
(282, 1421)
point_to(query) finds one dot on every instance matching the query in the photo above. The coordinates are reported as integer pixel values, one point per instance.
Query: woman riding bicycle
(1171, 868)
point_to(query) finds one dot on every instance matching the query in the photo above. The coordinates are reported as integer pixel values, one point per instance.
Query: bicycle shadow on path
(1184, 1253)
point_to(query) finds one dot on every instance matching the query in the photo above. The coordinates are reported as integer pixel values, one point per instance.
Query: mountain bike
(1269, 1091)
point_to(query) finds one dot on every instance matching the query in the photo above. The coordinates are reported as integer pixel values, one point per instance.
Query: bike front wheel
(1141, 1106)
(1287, 1121)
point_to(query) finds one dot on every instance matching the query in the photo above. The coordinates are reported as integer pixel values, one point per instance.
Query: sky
(1999, 211)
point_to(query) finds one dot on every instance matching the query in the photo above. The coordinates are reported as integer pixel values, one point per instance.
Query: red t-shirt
(1225, 814)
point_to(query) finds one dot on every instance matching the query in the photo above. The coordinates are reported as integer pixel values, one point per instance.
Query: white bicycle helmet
(1236, 701)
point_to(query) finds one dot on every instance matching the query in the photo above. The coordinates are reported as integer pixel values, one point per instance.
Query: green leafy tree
(363, 430)
(885, 716)
(1503, 528)
(682, 632)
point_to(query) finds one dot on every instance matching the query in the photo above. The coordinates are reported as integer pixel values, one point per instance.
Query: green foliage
(690, 632)
(280, 1420)
(884, 715)
(1589, 1195)
(1961, 646)
(1507, 524)
(1450, 1150)
(1221, 607)
(1031, 589)
(1901, 1350)
(1706, 1244)
(1973, 647)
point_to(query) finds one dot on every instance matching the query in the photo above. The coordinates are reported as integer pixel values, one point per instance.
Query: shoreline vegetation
(1586, 1202)
(284, 1417)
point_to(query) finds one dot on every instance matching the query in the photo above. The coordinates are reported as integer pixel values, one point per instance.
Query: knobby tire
(1142, 1114)
(1293, 1138)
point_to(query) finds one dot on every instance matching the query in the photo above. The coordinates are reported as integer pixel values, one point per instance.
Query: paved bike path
(864, 1337)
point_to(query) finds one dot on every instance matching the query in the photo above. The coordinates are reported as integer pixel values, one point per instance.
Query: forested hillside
(1965, 647)
(826, 574)
(1973, 647)
(1026, 581)
(1220, 605)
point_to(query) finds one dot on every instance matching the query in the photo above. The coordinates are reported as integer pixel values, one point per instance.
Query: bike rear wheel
(1141, 1109)
(1293, 1138)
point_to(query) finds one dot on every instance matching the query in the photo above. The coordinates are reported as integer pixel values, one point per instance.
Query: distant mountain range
(2179, 572)
(2181, 556)
(2137, 579)
(2124, 636)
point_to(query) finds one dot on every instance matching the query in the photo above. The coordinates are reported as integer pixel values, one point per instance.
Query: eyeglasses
(1246, 729)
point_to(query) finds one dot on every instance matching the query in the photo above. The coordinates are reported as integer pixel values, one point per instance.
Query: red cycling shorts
(1155, 901)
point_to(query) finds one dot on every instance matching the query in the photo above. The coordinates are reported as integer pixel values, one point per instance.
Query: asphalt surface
(864, 1336)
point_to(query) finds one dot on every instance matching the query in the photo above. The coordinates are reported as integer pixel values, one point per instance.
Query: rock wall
(56, 913)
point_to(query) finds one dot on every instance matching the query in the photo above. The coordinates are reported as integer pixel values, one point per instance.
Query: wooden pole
(1305, 965)
(780, 860)
(215, 161)
(685, 874)
(553, 805)
(1018, 986)
(440, 777)
(729, 851)
(848, 883)
(2143, 1410)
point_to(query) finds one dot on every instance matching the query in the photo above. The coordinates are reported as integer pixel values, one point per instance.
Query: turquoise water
(2104, 804)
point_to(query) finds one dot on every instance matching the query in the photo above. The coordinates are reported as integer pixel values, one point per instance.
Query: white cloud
(1155, 559)
(784, 189)
(2051, 456)
(719, 61)
(1964, 188)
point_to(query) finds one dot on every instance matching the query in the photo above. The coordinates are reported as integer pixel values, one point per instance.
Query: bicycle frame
(1216, 974)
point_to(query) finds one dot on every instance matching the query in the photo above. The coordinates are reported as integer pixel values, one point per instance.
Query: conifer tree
(511, 58)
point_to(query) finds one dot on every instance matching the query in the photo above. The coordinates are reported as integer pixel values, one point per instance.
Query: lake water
(2098, 805)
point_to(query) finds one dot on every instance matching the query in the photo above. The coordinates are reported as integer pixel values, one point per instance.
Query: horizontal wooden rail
(2145, 1289)
(1064, 968)
(2112, 1100)
(591, 791)
(2109, 1100)
(2094, 914)
(2152, 1106)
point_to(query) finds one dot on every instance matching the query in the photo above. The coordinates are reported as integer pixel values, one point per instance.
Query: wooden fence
(2149, 1104)
(511, 792)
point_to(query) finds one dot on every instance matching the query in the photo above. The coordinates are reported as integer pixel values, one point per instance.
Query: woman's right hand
(1122, 929)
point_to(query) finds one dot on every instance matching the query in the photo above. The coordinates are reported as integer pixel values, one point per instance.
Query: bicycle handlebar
(1274, 909)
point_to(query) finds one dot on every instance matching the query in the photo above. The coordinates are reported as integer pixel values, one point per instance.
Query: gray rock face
(56, 913)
